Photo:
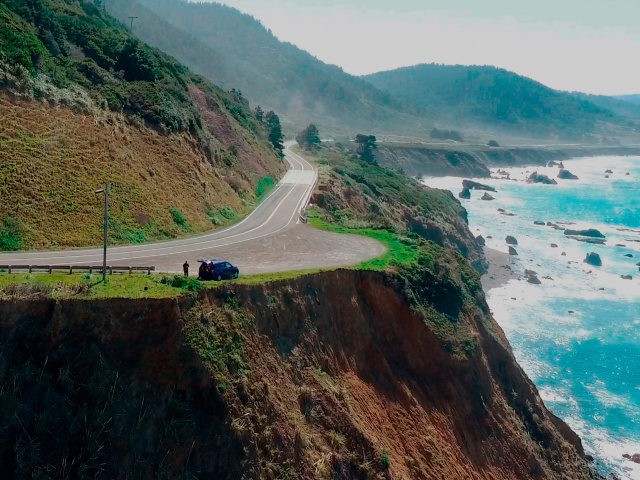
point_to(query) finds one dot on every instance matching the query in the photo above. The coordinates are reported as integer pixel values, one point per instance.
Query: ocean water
(577, 335)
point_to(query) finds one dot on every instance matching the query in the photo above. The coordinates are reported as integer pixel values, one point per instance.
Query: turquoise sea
(577, 335)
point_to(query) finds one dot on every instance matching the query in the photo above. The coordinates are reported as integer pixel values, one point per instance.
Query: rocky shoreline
(499, 271)
(475, 160)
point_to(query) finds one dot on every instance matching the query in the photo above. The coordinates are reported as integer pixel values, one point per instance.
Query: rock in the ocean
(471, 185)
(626, 277)
(554, 245)
(536, 177)
(538, 222)
(608, 171)
(480, 240)
(593, 259)
(634, 458)
(566, 175)
(512, 251)
(486, 196)
(465, 193)
(555, 226)
(533, 280)
(590, 232)
(628, 255)
(511, 240)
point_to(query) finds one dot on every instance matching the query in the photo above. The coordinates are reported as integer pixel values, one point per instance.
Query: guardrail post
(129, 269)
(50, 269)
(29, 268)
(149, 271)
(9, 268)
(70, 270)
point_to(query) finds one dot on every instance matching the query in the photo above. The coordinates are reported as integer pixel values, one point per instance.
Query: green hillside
(497, 99)
(620, 106)
(635, 99)
(236, 50)
(83, 103)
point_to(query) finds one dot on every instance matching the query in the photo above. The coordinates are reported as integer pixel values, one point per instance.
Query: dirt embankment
(326, 376)
(421, 160)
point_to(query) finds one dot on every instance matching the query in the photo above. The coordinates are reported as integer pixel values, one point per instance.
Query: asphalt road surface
(271, 239)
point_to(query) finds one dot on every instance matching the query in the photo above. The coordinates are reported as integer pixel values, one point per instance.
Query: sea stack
(593, 259)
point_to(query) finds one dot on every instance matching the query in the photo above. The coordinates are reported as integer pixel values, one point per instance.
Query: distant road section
(270, 239)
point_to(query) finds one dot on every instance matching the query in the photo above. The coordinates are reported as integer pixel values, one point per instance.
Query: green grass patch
(122, 233)
(179, 220)
(401, 250)
(84, 286)
(265, 184)
(10, 235)
(183, 283)
(276, 276)
(224, 216)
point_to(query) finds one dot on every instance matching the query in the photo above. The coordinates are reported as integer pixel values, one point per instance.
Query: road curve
(270, 239)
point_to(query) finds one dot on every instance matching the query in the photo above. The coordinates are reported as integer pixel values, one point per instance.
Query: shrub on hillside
(438, 134)
(10, 234)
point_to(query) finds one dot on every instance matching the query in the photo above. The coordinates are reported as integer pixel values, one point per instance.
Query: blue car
(217, 270)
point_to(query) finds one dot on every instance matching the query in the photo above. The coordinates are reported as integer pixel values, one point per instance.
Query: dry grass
(52, 160)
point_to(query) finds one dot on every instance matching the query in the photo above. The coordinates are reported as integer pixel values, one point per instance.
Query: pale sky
(584, 45)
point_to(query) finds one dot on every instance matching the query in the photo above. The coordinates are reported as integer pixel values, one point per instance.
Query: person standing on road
(185, 267)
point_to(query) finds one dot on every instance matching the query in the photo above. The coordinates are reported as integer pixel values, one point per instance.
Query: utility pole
(105, 190)
(132, 19)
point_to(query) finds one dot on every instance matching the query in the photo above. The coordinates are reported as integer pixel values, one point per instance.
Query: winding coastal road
(270, 239)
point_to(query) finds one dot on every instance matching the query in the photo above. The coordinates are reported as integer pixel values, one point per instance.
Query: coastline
(499, 270)
(583, 312)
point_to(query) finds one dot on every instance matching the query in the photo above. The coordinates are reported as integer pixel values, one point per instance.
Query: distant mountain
(635, 99)
(236, 51)
(618, 105)
(497, 99)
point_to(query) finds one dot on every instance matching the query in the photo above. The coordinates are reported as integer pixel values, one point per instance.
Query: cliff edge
(344, 374)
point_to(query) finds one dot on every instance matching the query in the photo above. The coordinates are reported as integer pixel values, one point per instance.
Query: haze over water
(577, 335)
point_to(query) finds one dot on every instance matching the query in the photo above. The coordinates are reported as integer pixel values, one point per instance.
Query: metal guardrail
(71, 268)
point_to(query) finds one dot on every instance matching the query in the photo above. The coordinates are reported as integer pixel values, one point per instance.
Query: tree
(275, 131)
(259, 113)
(366, 147)
(309, 138)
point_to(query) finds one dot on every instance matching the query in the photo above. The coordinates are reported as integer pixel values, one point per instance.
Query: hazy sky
(586, 45)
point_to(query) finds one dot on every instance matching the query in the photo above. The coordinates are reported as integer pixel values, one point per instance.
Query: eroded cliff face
(342, 374)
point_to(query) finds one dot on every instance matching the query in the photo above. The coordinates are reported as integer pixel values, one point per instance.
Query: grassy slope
(182, 155)
(356, 195)
(498, 99)
(236, 50)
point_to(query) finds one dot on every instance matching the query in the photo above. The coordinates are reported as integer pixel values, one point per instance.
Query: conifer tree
(309, 138)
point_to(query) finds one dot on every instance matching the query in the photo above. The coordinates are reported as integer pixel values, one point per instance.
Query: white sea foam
(576, 302)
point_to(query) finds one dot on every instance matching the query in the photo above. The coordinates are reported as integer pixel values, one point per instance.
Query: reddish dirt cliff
(335, 375)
